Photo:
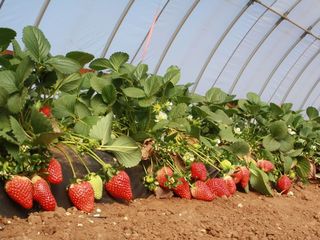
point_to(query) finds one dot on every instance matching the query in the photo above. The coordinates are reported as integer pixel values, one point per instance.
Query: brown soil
(244, 216)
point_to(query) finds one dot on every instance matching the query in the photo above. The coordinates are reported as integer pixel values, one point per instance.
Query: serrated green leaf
(270, 143)
(152, 85)
(147, 102)
(279, 130)
(100, 64)
(126, 151)
(23, 71)
(98, 106)
(172, 75)
(240, 148)
(226, 133)
(216, 96)
(46, 138)
(219, 117)
(8, 138)
(160, 125)
(109, 94)
(286, 144)
(117, 59)
(70, 83)
(287, 163)
(17, 101)
(253, 97)
(294, 152)
(102, 129)
(141, 71)
(8, 81)
(178, 111)
(259, 181)
(81, 57)
(36, 43)
(18, 131)
(3, 97)
(84, 125)
(64, 65)
(205, 142)
(303, 167)
(181, 124)
(81, 110)
(4, 121)
(39, 123)
(17, 49)
(312, 113)
(98, 84)
(64, 106)
(6, 36)
(134, 92)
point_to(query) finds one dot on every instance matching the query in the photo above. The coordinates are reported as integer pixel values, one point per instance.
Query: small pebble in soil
(80, 225)
(240, 205)
(68, 214)
(114, 223)
(91, 221)
(96, 215)
(126, 218)
(290, 194)
(98, 210)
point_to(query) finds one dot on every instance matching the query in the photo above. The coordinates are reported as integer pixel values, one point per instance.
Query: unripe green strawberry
(97, 185)
(226, 164)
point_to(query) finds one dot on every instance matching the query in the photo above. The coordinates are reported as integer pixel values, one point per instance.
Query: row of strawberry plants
(79, 106)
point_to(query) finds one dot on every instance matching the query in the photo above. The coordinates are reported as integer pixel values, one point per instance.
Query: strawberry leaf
(118, 59)
(46, 138)
(259, 181)
(102, 129)
(126, 150)
(64, 65)
(36, 43)
(81, 57)
(39, 122)
(17, 101)
(18, 130)
(8, 81)
(172, 75)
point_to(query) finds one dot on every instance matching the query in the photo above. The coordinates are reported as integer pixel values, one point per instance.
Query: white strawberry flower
(291, 132)
(190, 117)
(237, 130)
(313, 147)
(168, 105)
(161, 116)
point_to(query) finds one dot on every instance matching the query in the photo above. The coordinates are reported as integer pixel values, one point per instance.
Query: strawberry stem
(69, 160)
(80, 158)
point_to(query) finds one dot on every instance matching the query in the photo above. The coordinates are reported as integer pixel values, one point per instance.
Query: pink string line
(148, 39)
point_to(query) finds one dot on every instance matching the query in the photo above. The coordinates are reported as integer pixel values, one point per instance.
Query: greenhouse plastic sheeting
(270, 47)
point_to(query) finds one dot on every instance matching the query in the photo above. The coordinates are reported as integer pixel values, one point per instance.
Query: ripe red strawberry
(85, 70)
(237, 176)
(55, 172)
(82, 196)
(218, 187)
(182, 189)
(46, 110)
(201, 191)
(119, 186)
(20, 190)
(265, 165)
(198, 171)
(284, 184)
(163, 175)
(231, 185)
(42, 194)
(245, 176)
(7, 52)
